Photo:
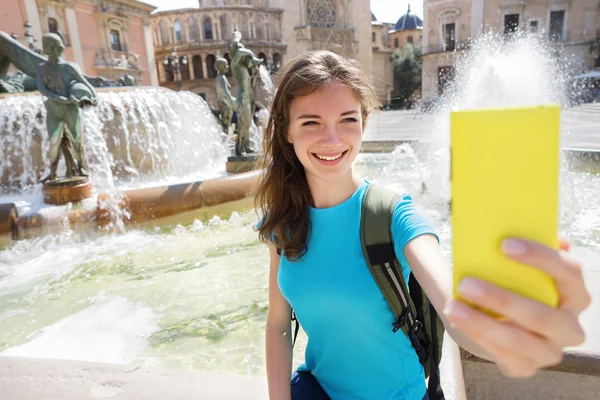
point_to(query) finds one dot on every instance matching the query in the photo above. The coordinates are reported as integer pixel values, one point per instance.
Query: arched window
(208, 32)
(260, 30)
(320, 13)
(277, 61)
(262, 55)
(169, 72)
(210, 66)
(52, 25)
(194, 30)
(178, 36)
(197, 65)
(185, 71)
(165, 37)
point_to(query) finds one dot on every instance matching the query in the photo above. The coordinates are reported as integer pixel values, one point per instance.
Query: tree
(407, 74)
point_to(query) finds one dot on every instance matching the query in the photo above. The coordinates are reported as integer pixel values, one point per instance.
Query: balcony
(442, 48)
(118, 60)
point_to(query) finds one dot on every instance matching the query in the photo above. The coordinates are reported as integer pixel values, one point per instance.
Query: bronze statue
(27, 61)
(225, 101)
(244, 67)
(66, 90)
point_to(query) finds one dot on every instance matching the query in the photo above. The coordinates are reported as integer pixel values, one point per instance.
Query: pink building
(108, 38)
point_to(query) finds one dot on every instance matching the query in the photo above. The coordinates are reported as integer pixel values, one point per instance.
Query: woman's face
(326, 130)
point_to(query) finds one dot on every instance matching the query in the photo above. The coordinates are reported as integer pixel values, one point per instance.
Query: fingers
(516, 351)
(560, 327)
(564, 244)
(564, 269)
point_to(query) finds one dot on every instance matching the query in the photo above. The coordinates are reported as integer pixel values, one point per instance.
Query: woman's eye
(307, 123)
(351, 119)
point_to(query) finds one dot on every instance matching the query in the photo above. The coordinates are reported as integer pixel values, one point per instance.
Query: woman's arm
(278, 336)
(533, 335)
(434, 274)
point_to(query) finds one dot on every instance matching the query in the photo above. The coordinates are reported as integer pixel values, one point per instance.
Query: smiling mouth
(329, 158)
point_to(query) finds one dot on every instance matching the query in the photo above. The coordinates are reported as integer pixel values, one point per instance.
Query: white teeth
(329, 158)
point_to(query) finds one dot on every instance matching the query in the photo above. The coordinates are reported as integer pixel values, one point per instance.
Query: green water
(192, 297)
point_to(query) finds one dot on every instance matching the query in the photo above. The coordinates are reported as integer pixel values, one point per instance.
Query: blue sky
(384, 10)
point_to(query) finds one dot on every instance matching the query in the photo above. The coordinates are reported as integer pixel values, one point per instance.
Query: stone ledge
(200, 199)
(164, 201)
(34, 379)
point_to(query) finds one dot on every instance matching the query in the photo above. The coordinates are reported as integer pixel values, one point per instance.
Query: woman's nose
(331, 136)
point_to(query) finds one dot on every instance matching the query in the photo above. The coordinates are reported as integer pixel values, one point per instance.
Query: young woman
(311, 202)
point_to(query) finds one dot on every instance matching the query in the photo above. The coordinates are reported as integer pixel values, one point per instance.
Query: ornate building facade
(572, 25)
(276, 30)
(108, 38)
(200, 36)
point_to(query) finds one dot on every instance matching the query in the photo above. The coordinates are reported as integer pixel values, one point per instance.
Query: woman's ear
(288, 136)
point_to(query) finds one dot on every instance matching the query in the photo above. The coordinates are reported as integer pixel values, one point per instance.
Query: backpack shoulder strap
(378, 248)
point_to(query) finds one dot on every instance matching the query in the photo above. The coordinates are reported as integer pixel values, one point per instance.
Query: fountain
(188, 291)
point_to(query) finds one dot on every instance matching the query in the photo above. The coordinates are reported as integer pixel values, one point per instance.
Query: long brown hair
(282, 193)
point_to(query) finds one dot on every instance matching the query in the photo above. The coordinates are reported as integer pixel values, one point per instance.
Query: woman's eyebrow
(318, 116)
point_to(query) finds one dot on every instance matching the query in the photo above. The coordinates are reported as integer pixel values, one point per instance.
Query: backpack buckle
(399, 324)
(416, 327)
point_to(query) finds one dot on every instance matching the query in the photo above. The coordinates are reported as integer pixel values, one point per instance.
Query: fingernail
(513, 247)
(470, 289)
(457, 311)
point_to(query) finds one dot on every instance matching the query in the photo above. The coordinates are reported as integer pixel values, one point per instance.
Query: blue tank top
(351, 348)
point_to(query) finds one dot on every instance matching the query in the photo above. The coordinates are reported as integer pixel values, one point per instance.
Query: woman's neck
(330, 193)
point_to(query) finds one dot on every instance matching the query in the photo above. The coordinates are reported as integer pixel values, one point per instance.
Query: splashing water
(257, 131)
(132, 138)
(494, 73)
(266, 81)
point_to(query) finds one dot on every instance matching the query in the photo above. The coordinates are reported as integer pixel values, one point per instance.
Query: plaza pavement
(580, 128)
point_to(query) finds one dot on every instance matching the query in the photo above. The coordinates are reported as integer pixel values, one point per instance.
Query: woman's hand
(533, 335)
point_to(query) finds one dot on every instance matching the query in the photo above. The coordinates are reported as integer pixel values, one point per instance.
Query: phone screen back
(504, 183)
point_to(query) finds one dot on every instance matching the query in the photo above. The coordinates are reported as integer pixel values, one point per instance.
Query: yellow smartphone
(504, 183)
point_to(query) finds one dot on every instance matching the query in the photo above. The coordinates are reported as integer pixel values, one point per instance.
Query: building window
(409, 40)
(208, 33)
(210, 66)
(177, 31)
(533, 26)
(197, 66)
(321, 13)
(557, 23)
(52, 25)
(169, 77)
(373, 37)
(395, 43)
(445, 78)
(276, 62)
(450, 37)
(115, 40)
(165, 36)
(511, 24)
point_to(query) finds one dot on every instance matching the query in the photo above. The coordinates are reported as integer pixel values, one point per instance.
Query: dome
(408, 22)
(373, 18)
